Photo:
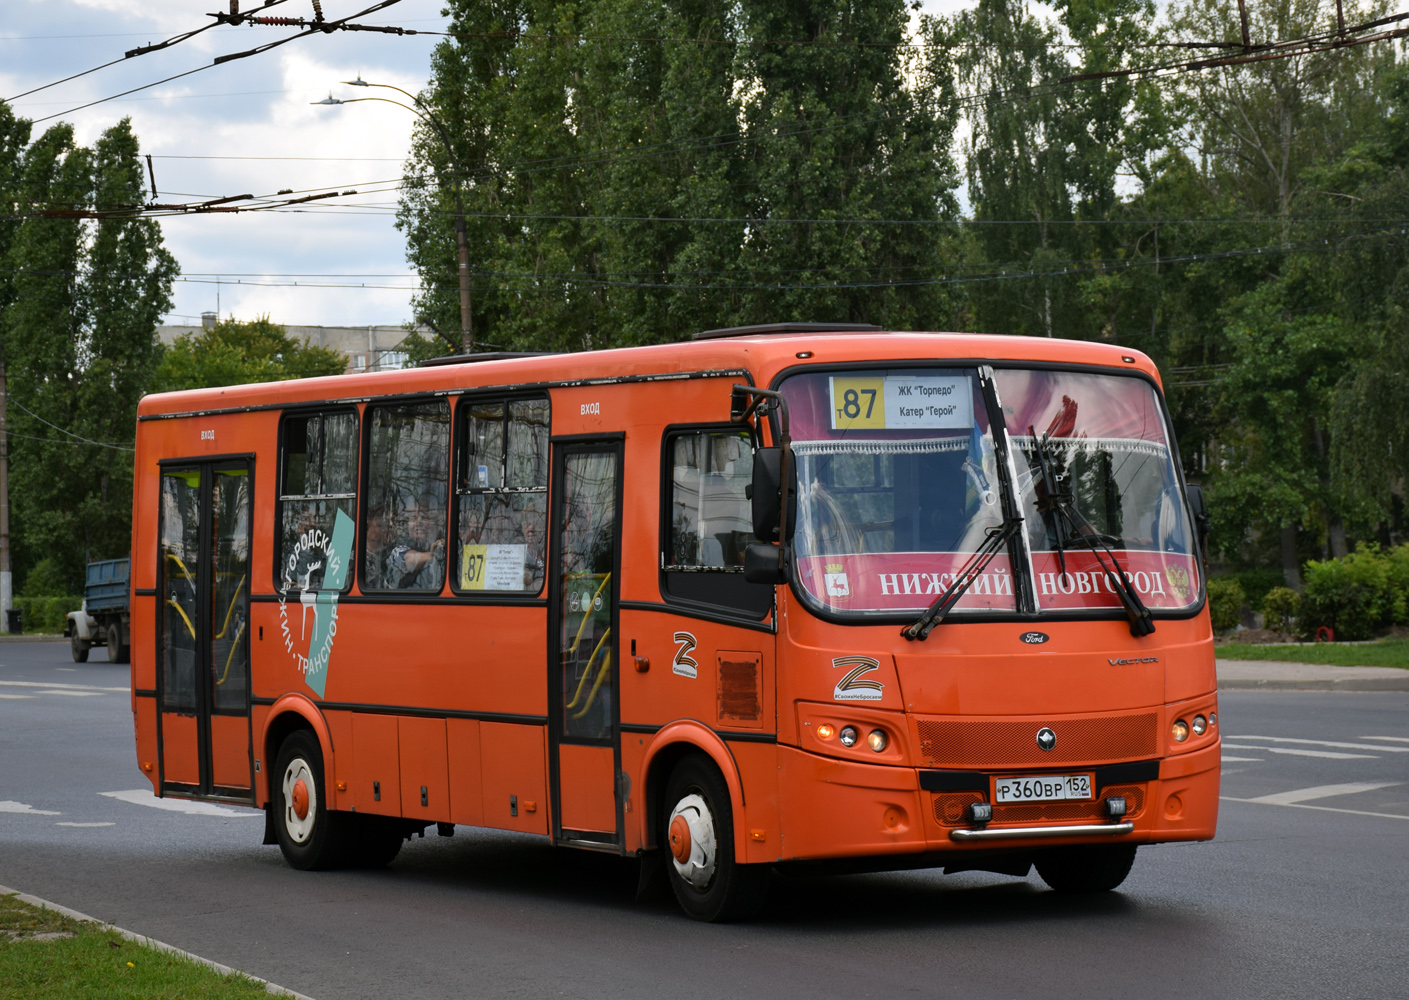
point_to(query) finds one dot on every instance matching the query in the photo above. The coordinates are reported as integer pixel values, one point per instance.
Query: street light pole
(467, 339)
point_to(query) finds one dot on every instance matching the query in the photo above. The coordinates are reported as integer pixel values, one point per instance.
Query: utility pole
(6, 580)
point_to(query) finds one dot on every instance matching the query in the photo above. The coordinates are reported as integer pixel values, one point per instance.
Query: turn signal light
(1181, 731)
(826, 731)
(877, 740)
(849, 736)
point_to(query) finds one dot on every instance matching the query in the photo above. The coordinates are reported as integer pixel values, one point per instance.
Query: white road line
(76, 694)
(85, 825)
(72, 687)
(16, 697)
(1329, 809)
(1321, 792)
(1332, 755)
(1322, 743)
(11, 806)
(144, 797)
(1395, 739)
(1250, 760)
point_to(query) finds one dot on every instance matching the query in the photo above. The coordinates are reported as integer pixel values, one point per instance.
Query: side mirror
(763, 563)
(766, 493)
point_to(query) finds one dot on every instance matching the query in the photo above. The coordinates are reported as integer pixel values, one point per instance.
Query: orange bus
(785, 594)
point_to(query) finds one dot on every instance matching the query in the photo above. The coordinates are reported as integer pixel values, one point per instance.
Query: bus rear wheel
(697, 828)
(1087, 868)
(311, 836)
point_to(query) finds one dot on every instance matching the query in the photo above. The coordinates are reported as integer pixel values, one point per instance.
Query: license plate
(1046, 788)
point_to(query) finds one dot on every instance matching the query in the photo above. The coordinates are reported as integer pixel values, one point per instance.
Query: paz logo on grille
(1046, 739)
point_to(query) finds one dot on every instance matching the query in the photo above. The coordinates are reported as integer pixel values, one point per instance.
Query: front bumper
(835, 809)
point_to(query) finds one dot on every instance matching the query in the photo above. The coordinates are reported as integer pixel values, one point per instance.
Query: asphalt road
(1302, 893)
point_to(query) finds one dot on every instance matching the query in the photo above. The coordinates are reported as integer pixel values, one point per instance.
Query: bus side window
(408, 471)
(709, 521)
(501, 496)
(317, 478)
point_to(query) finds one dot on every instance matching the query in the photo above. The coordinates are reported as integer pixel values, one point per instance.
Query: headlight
(848, 736)
(877, 740)
(1200, 725)
(1180, 731)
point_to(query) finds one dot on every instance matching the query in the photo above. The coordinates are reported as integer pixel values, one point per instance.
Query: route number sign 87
(858, 404)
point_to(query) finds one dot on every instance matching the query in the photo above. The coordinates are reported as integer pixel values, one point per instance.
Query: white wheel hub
(698, 867)
(300, 801)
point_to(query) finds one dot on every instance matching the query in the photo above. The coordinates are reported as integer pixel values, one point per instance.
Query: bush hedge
(1280, 608)
(46, 614)
(1355, 595)
(1225, 603)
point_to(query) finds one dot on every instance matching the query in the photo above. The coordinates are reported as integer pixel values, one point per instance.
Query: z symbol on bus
(683, 665)
(852, 687)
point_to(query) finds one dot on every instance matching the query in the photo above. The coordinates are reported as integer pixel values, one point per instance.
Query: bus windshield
(898, 487)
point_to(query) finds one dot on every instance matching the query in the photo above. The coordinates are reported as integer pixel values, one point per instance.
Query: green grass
(1387, 653)
(89, 962)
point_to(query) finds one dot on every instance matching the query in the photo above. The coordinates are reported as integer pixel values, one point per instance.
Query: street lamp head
(359, 82)
(330, 99)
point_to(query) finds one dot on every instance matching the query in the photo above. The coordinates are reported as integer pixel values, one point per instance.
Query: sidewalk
(1272, 675)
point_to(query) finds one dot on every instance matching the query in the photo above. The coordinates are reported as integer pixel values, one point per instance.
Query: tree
(237, 353)
(79, 339)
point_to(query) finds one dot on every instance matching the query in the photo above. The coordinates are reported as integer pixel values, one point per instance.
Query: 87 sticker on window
(902, 402)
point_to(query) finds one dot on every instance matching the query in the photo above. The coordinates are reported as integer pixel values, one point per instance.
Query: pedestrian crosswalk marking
(48, 687)
(1289, 751)
(1321, 792)
(1323, 743)
(1393, 739)
(24, 808)
(144, 797)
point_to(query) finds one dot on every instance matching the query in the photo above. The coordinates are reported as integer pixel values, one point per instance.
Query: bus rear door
(583, 683)
(203, 643)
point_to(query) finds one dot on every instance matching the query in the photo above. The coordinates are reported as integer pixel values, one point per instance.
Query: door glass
(180, 564)
(586, 545)
(229, 650)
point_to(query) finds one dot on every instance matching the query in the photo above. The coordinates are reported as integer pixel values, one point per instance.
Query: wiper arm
(972, 569)
(1058, 502)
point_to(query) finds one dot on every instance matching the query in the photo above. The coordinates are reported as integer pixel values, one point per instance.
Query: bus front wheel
(1086, 868)
(697, 829)
(310, 835)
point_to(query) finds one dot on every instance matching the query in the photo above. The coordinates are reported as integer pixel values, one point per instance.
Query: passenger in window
(419, 562)
(379, 547)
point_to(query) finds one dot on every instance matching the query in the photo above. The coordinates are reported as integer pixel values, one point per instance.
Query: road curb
(141, 939)
(1345, 684)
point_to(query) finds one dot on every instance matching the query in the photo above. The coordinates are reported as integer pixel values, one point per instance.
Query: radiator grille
(1011, 743)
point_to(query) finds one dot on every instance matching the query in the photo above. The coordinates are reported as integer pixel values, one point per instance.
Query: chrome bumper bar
(1019, 832)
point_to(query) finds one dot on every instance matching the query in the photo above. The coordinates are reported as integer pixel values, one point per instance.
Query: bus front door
(584, 752)
(203, 643)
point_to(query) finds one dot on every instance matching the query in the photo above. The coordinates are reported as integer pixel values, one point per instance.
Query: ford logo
(1034, 638)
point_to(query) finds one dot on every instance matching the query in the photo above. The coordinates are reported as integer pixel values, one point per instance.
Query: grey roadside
(1273, 675)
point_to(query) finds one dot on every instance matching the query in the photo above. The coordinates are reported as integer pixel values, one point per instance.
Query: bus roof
(759, 353)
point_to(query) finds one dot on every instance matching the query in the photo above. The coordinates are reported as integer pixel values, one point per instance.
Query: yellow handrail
(182, 612)
(231, 658)
(173, 556)
(588, 672)
(223, 628)
(587, 612)
(601, 676)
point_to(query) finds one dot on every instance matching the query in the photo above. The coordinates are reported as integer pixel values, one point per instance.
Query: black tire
(79, 648)
(714, 888)
(117, 651)
(319, 838)
(1089, 868)
(375, 841)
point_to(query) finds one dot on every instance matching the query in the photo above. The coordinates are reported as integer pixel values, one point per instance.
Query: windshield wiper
(1054, 502)
(973, 567)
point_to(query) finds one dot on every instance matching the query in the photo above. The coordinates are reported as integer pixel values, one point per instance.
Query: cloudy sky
(247, 127)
